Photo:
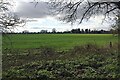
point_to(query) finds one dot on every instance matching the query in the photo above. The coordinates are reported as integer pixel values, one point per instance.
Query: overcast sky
(39, 18)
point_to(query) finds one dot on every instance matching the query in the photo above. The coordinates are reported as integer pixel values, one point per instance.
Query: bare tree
(73, 9)
(116, 27)
(118, 24)
(8, 20)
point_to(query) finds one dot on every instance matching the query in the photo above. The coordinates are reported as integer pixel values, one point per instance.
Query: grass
(58, 66)
(58, 41)
(37, 56)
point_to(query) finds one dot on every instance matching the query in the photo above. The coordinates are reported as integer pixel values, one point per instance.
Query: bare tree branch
(8, 20)
(88, 8)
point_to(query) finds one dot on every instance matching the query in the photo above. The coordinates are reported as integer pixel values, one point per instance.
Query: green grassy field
(46, 63)
(59, 41)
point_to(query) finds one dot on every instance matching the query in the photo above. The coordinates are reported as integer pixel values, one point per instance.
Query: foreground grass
(46, 63)
(58, 41)
(60, 57)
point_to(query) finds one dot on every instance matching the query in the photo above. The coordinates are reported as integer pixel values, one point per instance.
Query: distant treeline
(73, 31)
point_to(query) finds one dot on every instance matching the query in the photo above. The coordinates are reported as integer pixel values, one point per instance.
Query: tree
(25, 32)
(53, 30)
(86, 30)
(118, 24)
(76, 30)
(8, 20)
(116, 27)
(73, 9)
(89, 31)
(43, 31)
(82, 31)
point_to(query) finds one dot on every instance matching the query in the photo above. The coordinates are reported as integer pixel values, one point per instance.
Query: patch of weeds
(47, 51)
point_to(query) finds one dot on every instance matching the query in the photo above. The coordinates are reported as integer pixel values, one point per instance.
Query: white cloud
(49, 23)
(25, 9)
(40, 18)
